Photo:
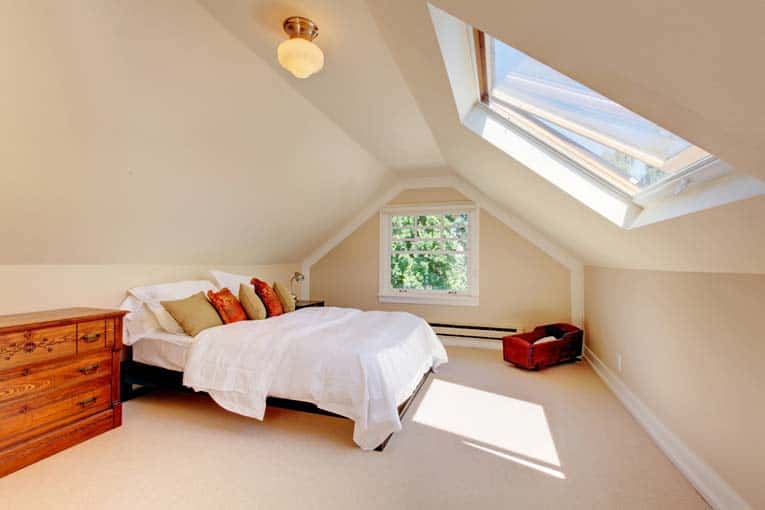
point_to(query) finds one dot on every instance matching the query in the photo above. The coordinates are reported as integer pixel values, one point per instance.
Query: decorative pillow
(251, 302)
(229, 280)
(151, 295)
(227, 306)
(288, 302)
(546, 340)
(193, 313)
(268, 296)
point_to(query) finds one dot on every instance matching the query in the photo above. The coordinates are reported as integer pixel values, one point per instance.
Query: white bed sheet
(166, 350)
(352, 363)
(170, 351)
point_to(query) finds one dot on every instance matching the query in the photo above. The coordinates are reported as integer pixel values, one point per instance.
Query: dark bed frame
(150, 378)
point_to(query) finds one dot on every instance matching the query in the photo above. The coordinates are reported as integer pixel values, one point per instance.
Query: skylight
(609, 141)
(622, 166)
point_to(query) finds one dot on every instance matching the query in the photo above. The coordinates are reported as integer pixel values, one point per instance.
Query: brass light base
(298, 26)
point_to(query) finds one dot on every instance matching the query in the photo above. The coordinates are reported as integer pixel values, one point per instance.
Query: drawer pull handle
(87, 402)
(90, 338)
(89, 369)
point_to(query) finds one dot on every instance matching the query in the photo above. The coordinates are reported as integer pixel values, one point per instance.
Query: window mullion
(428, 229)
(592, 163)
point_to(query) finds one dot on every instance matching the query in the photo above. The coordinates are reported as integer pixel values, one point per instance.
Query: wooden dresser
(59, 381)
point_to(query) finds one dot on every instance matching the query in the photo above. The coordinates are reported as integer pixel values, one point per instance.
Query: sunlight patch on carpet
(498, 421)
(518, 460)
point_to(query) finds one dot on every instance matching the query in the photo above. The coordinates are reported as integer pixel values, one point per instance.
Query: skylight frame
(674, 168)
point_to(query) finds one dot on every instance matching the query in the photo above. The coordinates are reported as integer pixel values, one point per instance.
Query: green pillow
(288, 302)
(251, 303)
(194, 313)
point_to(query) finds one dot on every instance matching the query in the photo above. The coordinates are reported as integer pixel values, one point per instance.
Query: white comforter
(361, 365)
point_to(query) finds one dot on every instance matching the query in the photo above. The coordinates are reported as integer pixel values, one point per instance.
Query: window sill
(430, 300)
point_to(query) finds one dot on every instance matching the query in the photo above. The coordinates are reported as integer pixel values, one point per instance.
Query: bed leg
(126, 391)
(405, 407)
(382, 445)
(126, 388)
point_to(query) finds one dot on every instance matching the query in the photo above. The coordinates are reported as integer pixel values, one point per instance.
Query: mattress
(170, 351)
(164, 350)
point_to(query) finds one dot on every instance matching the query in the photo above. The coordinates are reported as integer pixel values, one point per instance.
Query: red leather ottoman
(520, 349)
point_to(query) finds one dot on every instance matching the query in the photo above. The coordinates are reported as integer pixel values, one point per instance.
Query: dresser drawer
(37, 345)
(56, 440)
(94, 336)
(19, 420)
(29, 382)
(59, 381)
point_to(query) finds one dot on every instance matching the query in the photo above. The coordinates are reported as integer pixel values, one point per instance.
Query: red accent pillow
(268, 295)
(228, 307)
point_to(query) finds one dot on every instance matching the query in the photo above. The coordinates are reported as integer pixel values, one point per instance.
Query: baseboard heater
(465, 331)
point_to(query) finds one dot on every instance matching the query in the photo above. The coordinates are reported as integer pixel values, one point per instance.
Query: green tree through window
(430, 252)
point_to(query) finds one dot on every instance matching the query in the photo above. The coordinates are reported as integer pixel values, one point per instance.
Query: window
(428, 254)
(610, 142)
(626, 168)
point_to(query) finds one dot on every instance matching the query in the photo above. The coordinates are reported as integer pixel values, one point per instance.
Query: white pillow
(164, 318)
(230, 281)
(138, 322)
(152, 295)
(546, 340)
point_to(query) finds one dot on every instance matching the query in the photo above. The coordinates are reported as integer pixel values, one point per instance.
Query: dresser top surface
(51, 317)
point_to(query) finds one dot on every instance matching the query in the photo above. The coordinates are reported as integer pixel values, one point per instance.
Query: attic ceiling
(693, 47)
(166, 132)
(688, 65)
(143, 132)
(360, 88)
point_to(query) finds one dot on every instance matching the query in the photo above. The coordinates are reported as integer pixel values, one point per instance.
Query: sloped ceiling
(165, 132)
(688, 65)
(360, 88)
(144, 132)
(693, 66)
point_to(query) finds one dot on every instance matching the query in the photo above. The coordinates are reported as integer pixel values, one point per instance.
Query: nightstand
(307, 303)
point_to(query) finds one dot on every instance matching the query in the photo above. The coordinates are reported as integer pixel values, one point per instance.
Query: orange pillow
(227, 306)
(269, 297)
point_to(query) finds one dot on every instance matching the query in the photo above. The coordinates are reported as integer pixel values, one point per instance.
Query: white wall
(34, 287)
(692, 350)
(520, 285)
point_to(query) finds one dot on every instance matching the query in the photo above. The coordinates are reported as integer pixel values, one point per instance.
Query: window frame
(388, 294)
(676, 168)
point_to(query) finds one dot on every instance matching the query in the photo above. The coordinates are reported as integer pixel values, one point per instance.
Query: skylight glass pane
(633, 144)
(637, 172)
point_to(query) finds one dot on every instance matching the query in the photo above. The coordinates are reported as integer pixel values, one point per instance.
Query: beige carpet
(481, 435)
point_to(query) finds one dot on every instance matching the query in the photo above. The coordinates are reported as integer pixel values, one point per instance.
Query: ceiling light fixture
(299, 54)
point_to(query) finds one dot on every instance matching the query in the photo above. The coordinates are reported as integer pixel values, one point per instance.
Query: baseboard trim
(716, 491)
(494, 345)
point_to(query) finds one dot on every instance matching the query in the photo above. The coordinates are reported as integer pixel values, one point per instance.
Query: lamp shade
(300, 57)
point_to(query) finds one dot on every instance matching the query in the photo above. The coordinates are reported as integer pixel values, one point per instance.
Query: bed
(365, 366)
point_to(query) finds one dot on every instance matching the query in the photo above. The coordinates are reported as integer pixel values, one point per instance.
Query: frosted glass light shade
(300, 57)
